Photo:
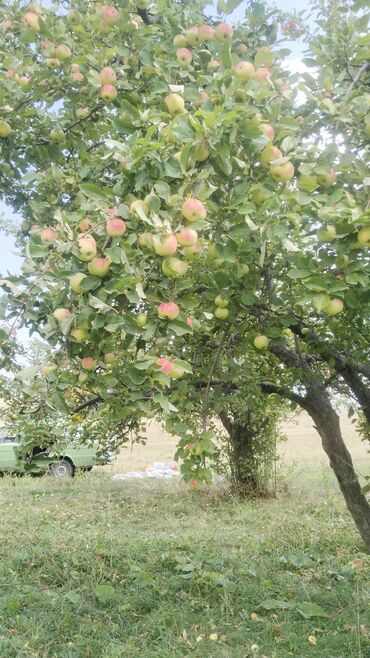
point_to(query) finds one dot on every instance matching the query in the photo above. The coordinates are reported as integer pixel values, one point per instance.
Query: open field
(95, 568)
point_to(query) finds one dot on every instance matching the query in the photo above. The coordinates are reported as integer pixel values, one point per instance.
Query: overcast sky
(10, 263)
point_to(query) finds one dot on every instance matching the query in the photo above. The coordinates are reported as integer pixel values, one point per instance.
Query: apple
(244, 71)
(180, 41)
(267, 130)
(193, 250)
(99, 266)
(88, 363)
(204, 97)
(139, 206)
(48, 368)
(213, 64)
(9, 74)
(269, 154)
(83, 377)
(75, 281)
(110, 14)
(62, 52)
(108, 93)
(327, 235)
(221, 313)
(192, 36)
(186, 237)
(84, 224)
(164, 245)
(24, 81)
(5, 128)
(174, 267)
(175, 104)
(164, 365)
(107, 75)
(184, 57)
(363, 236)
(334, 307)
(168, 310)
(31, 20)
(48, 235)
(109, 359)
(189, 322)
(260, 194)
(74, 17)
(261, 342)
(176, 371)
(206, 33)
(282, 173)
(221, 301)
(57, 136)
(308, 183)
(81, 112)
(77, 76)
(263, 73)
(115, 227)
(48, 47)
(193, 210)
(79, 334)
(87, 248)
(146, 240)
(61, 314)
(326, 180)
(201, 153)
(142, 320)
(223, 31)
(52, 63)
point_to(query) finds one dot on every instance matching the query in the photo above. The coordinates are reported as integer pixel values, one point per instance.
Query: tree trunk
(317, 404)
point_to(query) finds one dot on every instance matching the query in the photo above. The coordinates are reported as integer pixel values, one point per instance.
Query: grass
(95, 568)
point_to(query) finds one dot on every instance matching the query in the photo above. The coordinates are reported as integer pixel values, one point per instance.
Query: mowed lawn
(151, 569)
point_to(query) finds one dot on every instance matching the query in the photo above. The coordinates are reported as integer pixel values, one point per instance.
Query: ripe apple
(77, 76)
(263, 73)
(168, 310)
(184, 57)
(175, 104)
(223, 32)
(48, 235)
(88, 363)
(334, 307)
(221, 301)
(282, 173)
(180, 41)
(31, 21)
(326, 180)
(87, 247)
(75, 281)
(79, 334)
(63, 52)
(164, 365)
(99, 266)
(115, 227)
(192, 251)
(193, 210)
(201, 153)
(142, 320)
(48, 47)
(221, 313)
(327, 235)
(269, 154)
(186, 237)
(5, 128)
(108, 93)
(260, 194)
(244, 71)
(261, 342)
(308, 183)
(110, 14)
(24, 81)
(164, 245)
(192, 36)
(81, 112)
(213, 64)
(109, 359)
(146, 240)
(84, 224)
(9, 74)
(206, 33)
(174, 267)
(107, 75)
(363, 236)
(139, 206)
(267, 130)
(61, 314)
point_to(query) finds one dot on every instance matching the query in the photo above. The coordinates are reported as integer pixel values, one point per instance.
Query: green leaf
(225, 54)
(276, 604)
(298, 274)
(94, 192)
(308, 610)
(58, 402)
(104, 593)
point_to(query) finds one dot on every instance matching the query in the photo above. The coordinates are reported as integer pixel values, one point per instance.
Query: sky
(10, 262)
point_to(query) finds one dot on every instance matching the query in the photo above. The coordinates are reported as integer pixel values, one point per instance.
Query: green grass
(179, 565)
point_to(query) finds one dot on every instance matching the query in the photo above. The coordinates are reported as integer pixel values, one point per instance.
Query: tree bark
(317, 403)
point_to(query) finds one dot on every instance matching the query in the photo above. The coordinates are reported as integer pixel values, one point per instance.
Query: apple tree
(190, 209)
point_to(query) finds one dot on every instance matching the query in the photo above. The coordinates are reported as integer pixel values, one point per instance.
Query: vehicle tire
(62, 469)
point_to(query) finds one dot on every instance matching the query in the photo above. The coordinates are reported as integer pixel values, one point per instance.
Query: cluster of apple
(221, 311)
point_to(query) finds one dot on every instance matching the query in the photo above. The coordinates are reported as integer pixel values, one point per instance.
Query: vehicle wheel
(62, 469)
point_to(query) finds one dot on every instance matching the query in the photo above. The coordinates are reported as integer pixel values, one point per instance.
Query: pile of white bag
(157, 470)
